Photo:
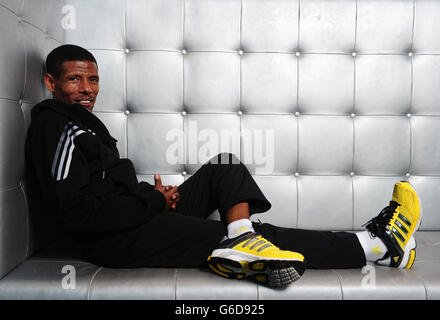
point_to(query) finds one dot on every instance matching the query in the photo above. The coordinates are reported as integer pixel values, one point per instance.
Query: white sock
(374, 248)
(238, 227)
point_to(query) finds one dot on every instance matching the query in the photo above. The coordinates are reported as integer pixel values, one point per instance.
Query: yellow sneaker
(395, 226)
(252, 256)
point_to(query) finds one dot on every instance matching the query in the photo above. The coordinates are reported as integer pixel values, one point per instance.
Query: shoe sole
(411, 260)
(272, 273)
(410, 255)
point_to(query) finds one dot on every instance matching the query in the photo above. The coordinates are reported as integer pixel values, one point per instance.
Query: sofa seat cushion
(42, 277)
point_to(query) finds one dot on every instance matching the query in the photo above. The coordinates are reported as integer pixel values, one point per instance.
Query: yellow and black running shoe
(395, 226)
(253, 257)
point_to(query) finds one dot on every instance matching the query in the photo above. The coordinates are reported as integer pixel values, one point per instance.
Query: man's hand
(170, 193)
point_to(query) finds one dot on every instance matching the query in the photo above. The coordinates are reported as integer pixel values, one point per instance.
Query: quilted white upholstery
(348, 89)
(29, 30)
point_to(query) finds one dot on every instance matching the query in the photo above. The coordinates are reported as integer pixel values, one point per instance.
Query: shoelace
(378, 224)
(257, 240)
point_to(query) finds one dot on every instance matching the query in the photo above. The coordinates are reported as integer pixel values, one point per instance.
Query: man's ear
(49, 81)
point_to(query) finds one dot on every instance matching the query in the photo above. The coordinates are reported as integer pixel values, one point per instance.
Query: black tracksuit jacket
(74, 174)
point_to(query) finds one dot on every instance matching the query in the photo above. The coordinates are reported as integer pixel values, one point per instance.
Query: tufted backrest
(328, 103)
(29, 30)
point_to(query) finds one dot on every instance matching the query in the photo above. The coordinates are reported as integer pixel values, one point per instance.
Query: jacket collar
(77, 113)
(55, 105)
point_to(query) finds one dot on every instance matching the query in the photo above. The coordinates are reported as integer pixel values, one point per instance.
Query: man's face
(78, 82)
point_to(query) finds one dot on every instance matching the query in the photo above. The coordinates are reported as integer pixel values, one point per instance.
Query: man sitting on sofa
(77, 176)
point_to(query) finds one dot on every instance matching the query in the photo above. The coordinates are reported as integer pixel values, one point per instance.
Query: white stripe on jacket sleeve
(67, 145)
(60, 145)
(69, 159)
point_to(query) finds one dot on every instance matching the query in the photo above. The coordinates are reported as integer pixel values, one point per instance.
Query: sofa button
(240, 52)
(127, 112)
(408, 115)
(184, 51)
(296, 174)
(353, 54)
(296, 114)
(410, 54)
(240, 112)
(297, 53)
(353, 115)
(183, 113)
(184, 173)
(127, 51)
(408, 175)
(352, 174)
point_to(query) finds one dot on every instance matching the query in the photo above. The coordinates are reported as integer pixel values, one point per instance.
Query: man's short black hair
(67, 52)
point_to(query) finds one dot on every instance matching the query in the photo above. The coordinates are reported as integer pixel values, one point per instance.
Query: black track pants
(185, 238)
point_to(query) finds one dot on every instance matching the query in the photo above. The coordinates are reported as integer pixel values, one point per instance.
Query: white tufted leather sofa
(349, 90)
